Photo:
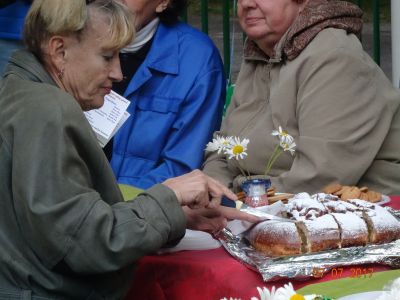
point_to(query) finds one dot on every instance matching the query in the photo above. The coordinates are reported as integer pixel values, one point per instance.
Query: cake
(320, 233)
(324, 222)
(267, 238)
(353, 229)
(383, 226)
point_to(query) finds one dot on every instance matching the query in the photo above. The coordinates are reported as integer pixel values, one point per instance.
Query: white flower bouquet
(236, 148)
(254, 187)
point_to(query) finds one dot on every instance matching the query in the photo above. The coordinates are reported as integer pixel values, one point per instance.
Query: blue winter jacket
(12, 19)
(177, 97)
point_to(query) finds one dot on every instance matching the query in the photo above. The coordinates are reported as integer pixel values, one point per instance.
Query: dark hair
(171, 14)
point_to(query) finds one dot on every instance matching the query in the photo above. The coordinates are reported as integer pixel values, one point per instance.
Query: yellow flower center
(284, 133)
(297, 297)
(237, 149)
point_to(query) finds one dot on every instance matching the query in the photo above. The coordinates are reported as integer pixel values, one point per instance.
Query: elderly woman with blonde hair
(66, 232)
(304, 69)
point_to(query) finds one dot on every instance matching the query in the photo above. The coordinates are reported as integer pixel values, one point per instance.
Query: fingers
(197, 190)
(214, 225)
(232, 213)
(217, 189)
(190, 189)
(204, 219)
(214, 202)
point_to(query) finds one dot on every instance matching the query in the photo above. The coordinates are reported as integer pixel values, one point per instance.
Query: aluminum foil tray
(304, 266)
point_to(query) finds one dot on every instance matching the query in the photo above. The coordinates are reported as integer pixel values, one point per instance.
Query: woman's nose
(116, 72)
(246, 3)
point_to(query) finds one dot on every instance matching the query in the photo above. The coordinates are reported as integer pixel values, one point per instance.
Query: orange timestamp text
(337, 273)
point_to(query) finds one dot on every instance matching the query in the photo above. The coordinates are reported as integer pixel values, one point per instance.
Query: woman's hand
(213, 220)
(198, 190)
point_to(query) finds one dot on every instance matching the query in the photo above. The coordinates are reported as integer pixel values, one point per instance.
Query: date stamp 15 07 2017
(337, 273)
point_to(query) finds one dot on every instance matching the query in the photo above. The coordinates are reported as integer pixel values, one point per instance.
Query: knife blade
(263, 215)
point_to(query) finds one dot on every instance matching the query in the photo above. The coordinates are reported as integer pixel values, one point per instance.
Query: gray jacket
(65, 231)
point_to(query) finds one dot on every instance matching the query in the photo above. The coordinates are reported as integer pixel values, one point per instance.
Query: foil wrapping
(305, 266)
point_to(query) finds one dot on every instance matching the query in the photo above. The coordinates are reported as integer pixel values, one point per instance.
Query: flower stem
(277, 152)
(248, 172)
(241, 169)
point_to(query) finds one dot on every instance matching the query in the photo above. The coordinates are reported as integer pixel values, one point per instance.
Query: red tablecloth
(207, 274)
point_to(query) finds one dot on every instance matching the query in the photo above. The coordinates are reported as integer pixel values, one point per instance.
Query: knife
(263, 215)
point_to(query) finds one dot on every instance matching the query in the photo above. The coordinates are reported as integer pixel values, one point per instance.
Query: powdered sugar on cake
(324, 222)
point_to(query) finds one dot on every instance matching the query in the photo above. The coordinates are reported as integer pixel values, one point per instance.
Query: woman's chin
(255, 34)
(92, 104)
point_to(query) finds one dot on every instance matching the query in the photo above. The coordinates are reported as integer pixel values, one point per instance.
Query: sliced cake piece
(353, 229)
(383, 227)
(275, 238)
(321, 233)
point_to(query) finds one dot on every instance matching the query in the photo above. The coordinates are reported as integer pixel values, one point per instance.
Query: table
(209, 274)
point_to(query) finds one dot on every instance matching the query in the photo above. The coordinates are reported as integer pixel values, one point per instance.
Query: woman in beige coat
(304, 69)
(65, 231)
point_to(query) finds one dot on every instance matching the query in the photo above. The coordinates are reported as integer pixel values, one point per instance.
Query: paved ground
(215, 32)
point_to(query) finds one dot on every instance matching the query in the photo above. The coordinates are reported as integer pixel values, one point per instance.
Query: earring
(162, 7)
(60, 74)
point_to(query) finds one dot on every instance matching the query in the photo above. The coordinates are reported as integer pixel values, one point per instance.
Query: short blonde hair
(70, 17)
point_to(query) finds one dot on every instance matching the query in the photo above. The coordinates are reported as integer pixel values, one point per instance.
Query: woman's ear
(162, 6)
(56, 51)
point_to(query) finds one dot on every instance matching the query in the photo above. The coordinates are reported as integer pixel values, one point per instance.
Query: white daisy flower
(219, 144)
(287, 292)
(237, 149)
(265, 294)
(283, 136)
(212, 146)
(288, 146)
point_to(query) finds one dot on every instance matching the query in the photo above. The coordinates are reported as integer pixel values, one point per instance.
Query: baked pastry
(383, 226)
(319, 234)
(347, 192)
(302, 207)
(324, 222)
(353, 229)
(268, 237)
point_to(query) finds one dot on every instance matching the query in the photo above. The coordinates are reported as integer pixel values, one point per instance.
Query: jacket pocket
(159, 104)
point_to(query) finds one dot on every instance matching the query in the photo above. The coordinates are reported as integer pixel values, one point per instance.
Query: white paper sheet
(106, 120)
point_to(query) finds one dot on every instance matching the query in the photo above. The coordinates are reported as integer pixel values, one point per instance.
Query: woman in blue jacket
(174, 78)
(12, 15)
